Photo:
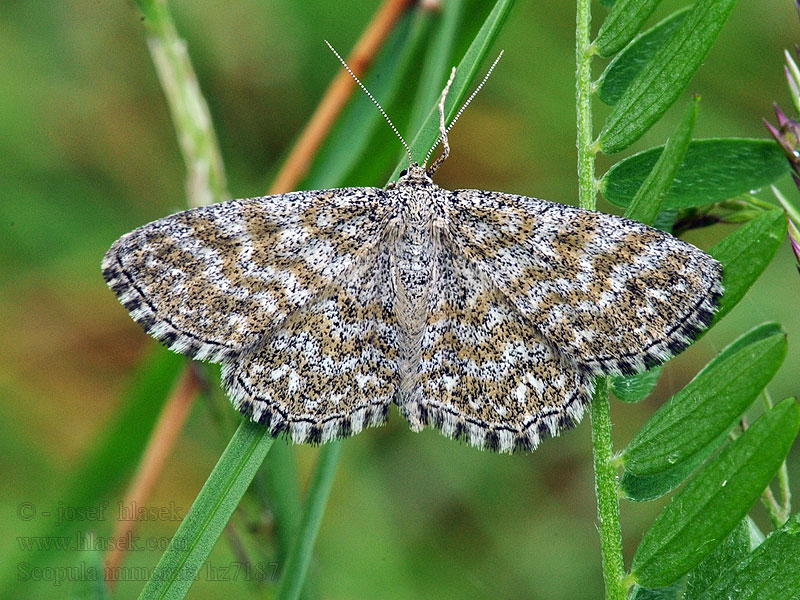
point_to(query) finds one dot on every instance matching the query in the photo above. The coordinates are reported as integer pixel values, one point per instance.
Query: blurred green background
(89, 152)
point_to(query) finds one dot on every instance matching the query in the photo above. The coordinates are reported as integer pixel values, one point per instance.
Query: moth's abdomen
(413, 274)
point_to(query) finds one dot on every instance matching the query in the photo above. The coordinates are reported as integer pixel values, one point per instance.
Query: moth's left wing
(609, 294)
(330, 369)
(210, 282)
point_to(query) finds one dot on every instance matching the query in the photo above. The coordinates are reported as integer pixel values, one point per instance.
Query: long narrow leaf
(649, 198)
(284, 495)
(626, 65)
(438, 57)
(465, 74)
(712, 170)
(707, 406)
(622, 24)
(299, 558)
(771, 571)
(665, 77)
(711, 504)
(209, 513)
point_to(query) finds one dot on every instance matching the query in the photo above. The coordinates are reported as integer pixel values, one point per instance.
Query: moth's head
(414, 175)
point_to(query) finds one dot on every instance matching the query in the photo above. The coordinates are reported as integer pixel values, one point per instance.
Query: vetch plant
(702, 545)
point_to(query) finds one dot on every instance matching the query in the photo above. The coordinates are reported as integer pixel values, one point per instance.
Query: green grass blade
(733, 549)
(435, 70)
(283, 491)
(299, 558)
(771, 571)
(466, 71)
(745, 254)
(708, 406)
(649, 198)
(665, 77)
(712, 170)
(708, 508)
(626, 65)
(209, 513)
(623, 23)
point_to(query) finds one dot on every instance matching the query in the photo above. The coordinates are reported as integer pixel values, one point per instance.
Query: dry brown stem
(336, 97)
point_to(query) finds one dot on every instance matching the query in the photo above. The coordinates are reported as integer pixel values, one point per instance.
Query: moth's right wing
(609, 294)
(209, 282)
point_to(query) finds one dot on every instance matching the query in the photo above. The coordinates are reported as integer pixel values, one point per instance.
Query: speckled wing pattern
(483, 314)
(330, 369)
(485, 376)
(210, 282)
(611, 295)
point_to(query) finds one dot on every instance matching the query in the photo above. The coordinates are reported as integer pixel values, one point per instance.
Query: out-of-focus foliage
(88, 152)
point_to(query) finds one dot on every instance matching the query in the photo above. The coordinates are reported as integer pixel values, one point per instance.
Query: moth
(484, 314)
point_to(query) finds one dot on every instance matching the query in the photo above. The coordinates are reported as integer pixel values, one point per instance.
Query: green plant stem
(205, 181)
(605, 471)
(779, 512)
(586, 150)
(605, 476)
(294, 573)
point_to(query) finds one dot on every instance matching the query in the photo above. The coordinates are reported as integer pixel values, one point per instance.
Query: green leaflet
(635, 387)
(665, 76)
(673, 591)
(626, 65)
(641, 488)
(745, 254)
(708, 405)
(771, 571)
(733, 548)
(710, 505)
(712, 170)
(649, 198)
(622, 24)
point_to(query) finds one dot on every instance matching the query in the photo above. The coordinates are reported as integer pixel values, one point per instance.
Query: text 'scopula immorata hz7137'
(484, 314)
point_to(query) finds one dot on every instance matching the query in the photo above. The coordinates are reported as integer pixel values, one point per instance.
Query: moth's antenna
(371, 97)
(443, 135)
